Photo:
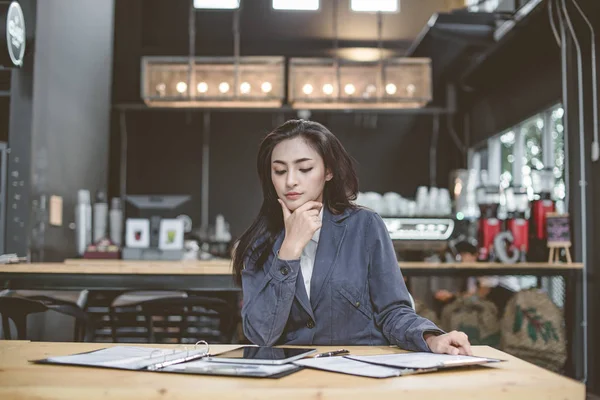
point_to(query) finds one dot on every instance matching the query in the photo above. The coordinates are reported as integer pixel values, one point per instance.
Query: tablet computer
(262, 355)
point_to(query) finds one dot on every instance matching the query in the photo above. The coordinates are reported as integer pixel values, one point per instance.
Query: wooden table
(215, 276)
(514, 379)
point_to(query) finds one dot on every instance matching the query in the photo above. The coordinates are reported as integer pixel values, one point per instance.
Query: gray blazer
(357, 294)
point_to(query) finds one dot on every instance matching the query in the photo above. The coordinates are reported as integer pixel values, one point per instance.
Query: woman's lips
(293, 196)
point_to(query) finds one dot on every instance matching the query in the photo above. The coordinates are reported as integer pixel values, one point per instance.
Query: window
(558, 140)
(217, 4)
(303, 5)
(507, 141)
(374, 5)
(510, 157)
(485, 5)
(531, 130)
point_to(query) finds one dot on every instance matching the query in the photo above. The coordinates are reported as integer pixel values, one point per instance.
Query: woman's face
(298, 173)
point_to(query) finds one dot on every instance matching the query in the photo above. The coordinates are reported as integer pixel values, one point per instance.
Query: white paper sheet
(347, 366)
(126, 357)
(422, 360)
(220, 368)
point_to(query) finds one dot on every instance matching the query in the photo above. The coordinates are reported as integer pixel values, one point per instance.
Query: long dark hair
(258, 240)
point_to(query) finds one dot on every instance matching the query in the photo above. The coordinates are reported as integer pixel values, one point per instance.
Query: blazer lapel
(302, 296)
(300, 293)
(330, 241)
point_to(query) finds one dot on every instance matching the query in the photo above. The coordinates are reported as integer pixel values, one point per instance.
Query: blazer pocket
(355, 301)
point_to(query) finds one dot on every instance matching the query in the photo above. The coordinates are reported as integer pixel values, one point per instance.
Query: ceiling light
(266, 87)
(181, 87)
(362, 53)
(219, 82)
(307, 89)
(391, 89)
(217, 4)
(349, 89)
(374, 5)
(300, 5)
(245, 88)
(202, 87)
(161, 89)
(408, 83)
(223, 87)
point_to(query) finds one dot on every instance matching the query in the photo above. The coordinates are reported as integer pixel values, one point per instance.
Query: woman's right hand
(300, 226)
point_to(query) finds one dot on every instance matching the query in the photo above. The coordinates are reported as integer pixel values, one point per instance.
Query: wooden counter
(514, 380)
(213, 275)
(224, 266)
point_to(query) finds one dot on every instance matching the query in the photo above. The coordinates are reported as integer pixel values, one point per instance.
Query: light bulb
(223, 87)
(349, 89)
(266, 87)
(307, 89)
(390, 89)
(411, 89)
(202, 87)
(245, 88)
(181, 87)
(328, 88)
(161, 88)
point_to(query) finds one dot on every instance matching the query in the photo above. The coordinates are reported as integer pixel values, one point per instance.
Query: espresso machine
(517, 223)
(543, 186)
(488, 199)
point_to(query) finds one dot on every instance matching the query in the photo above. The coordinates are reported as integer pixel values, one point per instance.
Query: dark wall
(165, 156)
(69, 115)
(20, 117)
(391, 156)
(518, 78)
(164, 149)
(584, 186)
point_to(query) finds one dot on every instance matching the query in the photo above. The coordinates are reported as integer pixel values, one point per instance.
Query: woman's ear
(328, 176)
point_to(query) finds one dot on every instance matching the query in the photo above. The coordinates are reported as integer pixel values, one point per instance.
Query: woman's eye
(280, 172)
(305, 170)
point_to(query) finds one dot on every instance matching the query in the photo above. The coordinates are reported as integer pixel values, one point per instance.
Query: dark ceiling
(265, 31)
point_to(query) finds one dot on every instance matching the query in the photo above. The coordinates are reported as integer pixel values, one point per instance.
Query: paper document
(346, 365)
(126, 357)
(422, 360)
(230, 369)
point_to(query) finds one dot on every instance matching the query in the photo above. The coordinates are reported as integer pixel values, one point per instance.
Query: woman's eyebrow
(295, 162)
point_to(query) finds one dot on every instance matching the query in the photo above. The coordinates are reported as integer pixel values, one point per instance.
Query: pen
(333, 353)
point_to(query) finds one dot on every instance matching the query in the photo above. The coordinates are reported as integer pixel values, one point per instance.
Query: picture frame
(137, 233)
(171, 234)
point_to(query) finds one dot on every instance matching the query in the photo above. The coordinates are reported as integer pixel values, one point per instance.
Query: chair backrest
(174, 319)
(17, 305)
(533, 329)
(17, 309)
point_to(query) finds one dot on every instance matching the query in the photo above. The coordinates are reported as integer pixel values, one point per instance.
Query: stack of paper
(388, 365)
(345, 365)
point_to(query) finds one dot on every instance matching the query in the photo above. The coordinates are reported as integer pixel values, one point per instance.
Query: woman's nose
(291, 180)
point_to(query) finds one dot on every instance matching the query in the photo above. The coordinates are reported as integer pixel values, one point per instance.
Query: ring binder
(168, 360)
(181, 359)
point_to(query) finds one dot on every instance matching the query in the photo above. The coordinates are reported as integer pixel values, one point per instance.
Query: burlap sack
(425, 312)
(533, 330)
(476, 317)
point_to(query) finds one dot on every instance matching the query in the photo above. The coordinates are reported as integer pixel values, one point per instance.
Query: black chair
(17, 308)
(173, 318)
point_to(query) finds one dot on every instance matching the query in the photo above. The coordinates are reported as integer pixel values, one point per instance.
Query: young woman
(314, 267)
